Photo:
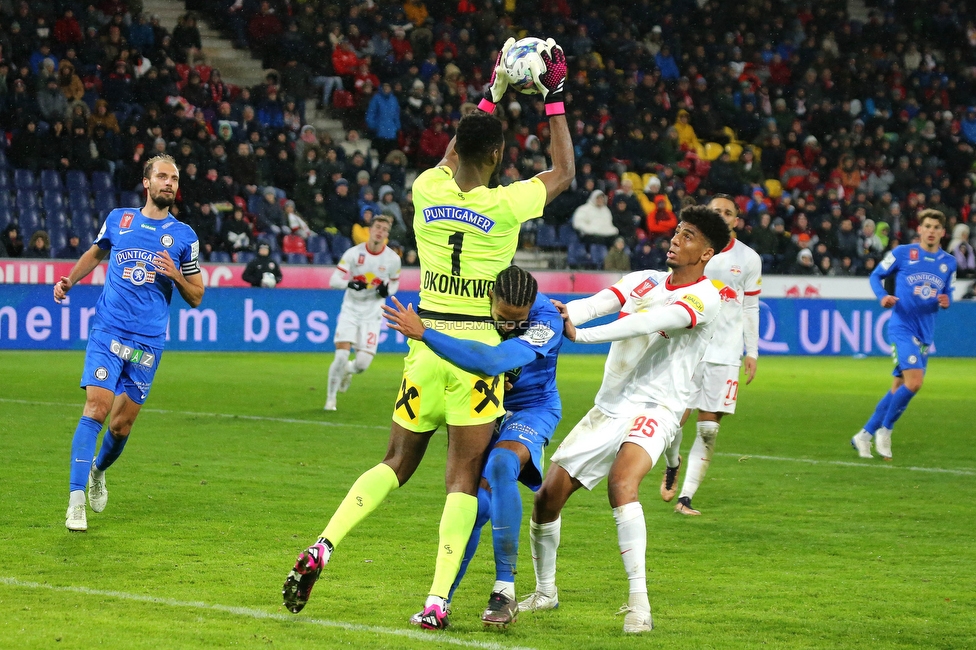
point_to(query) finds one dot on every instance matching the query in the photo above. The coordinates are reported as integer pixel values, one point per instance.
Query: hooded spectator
(593, 220)
(617, 259)
(39, 246)
(72, 250)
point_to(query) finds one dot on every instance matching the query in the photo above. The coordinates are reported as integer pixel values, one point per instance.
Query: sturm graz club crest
(166, 240)
(101, 373)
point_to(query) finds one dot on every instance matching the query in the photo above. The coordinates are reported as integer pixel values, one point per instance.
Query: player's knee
(913, 384)
(120, 429)
(361, 362)
(621, 490)
(97, 410)
(503, 467)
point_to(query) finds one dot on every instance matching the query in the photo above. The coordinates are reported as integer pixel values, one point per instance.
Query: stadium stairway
(235, 66)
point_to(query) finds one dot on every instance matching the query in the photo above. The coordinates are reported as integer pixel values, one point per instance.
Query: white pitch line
(323, 423)
(347, 425)
(846, 463)
(260, 614)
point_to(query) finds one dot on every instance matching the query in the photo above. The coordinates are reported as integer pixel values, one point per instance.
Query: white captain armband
(192, 266)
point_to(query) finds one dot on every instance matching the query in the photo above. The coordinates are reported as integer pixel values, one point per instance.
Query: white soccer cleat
(346, 382)
(636, 620)
(76, 518)
(538, 601)
(97, 492)
(882, 442)
(862, 442)
(330, 405)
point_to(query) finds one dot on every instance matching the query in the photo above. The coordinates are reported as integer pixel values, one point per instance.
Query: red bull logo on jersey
(126, 219)
(462, 215)
(728, 294)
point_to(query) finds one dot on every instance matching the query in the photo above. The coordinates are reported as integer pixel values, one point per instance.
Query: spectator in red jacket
(345, 62)
(445, 45)
(67, 30)
(433, 144)
(399, 44)
(661, 221)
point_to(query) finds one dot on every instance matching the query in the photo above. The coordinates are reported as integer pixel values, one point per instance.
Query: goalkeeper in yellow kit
(466, 233)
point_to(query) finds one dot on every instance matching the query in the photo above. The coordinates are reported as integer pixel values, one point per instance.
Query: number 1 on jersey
(456, 240)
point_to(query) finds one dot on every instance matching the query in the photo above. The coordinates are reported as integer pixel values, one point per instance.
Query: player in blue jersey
(923, 275)
(149, 252)
(533, 335)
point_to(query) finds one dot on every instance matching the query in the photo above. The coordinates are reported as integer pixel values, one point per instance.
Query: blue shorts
(120, 364)
(908, 352)
(532, 427)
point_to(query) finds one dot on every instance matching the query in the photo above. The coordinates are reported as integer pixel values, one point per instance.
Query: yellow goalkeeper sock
(457, 521)
(366, 493)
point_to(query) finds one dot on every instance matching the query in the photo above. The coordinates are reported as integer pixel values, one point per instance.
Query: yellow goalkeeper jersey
(464, 239)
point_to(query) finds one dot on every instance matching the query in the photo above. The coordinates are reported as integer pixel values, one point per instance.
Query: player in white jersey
(657, 344)
(717, 376)
(369, 273)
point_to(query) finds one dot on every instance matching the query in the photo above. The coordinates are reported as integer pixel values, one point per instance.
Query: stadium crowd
(832, 134)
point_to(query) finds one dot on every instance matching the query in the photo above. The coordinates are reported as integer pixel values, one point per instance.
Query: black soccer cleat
(301, 579)
(669, 483)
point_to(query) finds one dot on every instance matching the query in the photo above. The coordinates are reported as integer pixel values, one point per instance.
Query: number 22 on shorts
(643, 426)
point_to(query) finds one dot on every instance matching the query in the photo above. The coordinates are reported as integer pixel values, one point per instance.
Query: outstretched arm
(470, 356)
(85, 265)
(666, 319)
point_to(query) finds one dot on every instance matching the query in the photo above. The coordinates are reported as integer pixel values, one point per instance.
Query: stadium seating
(52, 201)
(105, 202)
(133, 200)
(50, 180)
(56, 221)
(322, 257)
(102, 182)
(83, 226)
(270, 240)
(26, 199)
(243, 257)
(4, 181)
(29, 221)
(24, 179)
(317, 244)
(6, 215)
(296, 258)
(567, 236)
(220, 257)
(577, 257)
(59, 239)
(340, 245)
(545, 237)
(76, 181)
(598, 253)
(3, 159)
(79, 201)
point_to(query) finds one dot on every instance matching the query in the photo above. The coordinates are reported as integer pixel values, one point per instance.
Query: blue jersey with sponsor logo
(534, 384)
(136, 297)
(920, 277)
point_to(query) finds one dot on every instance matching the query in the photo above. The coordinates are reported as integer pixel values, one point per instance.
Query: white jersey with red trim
(358, 263)
(657, 368)
(739, 267)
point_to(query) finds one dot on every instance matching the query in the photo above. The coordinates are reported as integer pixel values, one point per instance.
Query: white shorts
(362, 333)
(589, 450)
(715, 388)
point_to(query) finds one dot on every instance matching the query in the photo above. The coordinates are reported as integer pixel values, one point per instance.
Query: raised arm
(85, 265)
(476, 357)
(552, 84)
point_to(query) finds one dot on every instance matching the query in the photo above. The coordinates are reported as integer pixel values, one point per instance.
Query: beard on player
(163, 198)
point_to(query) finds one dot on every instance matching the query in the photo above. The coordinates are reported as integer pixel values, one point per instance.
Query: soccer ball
(268, 280)
(521, 60)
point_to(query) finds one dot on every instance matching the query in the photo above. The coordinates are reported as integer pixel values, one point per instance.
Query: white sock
(507, 588)
(700, 457)
(671, 453)
(632, 538)
(337, 372)
(544, 540)
(435, 600)
(76, 498)
(97, 473)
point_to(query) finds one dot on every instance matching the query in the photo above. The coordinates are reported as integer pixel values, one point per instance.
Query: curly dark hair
(711, 225)
(477, 135)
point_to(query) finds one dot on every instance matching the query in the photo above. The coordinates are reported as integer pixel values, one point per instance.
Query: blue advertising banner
(302, 320)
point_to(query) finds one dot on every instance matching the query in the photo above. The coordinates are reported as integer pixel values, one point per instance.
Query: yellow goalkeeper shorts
(434, 392)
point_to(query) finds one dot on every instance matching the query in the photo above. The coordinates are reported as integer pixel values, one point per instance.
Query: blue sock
(82, 451)
(484, 501)
(502, 473)
(879, 412)
(899, 402)
(111, 450)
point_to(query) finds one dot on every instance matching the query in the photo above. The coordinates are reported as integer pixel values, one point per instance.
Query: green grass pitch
(233, 468)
